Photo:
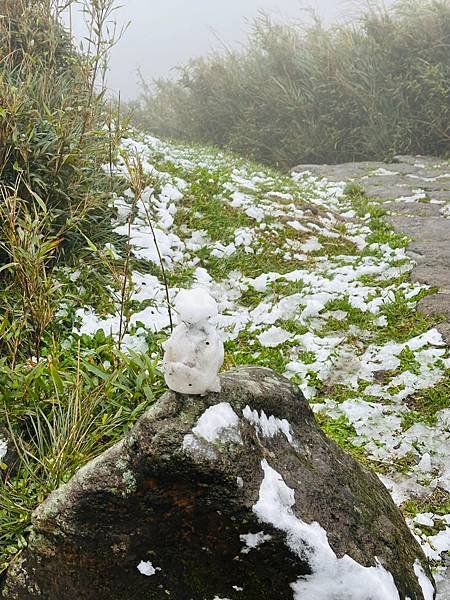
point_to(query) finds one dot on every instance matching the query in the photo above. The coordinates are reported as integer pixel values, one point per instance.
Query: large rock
(180, 494)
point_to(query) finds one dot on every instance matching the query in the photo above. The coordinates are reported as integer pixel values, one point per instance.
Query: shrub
(63, 397)
(356, 91)
(55, 137)
(53, 121)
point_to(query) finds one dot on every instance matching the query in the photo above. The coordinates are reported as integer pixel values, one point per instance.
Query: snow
(146, 568)
(331, 577)
(268, 426)
(425, 583)
(195, 305)
(440, 543)
(196, 447)
(274, 336)
(253, 540)
(417, 196)
(3, 448)
(194, 352)
(424, 519)
(219, 423)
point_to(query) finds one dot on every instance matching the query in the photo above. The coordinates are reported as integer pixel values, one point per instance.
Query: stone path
(416, 192)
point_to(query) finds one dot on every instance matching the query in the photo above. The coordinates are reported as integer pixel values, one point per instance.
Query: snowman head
(195, 305)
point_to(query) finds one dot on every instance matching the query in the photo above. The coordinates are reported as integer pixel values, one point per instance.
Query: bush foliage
(311, 94)
(53, 140)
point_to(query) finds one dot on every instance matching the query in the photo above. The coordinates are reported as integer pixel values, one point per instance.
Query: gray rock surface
(166, 495)
(416, 191)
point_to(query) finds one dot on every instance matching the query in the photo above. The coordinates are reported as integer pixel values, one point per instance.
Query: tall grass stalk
(138, 184)
(31, 293)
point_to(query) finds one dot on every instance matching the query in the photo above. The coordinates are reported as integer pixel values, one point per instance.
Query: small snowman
(194, 352)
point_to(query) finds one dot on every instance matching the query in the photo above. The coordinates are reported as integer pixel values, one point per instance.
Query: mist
(161, 35)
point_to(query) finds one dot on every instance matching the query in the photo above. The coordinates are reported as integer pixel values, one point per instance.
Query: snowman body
(194, 352)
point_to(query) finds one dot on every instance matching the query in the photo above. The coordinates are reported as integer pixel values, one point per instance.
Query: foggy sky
(166, 33)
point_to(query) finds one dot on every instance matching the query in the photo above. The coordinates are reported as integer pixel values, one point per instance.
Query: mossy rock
(167, 496)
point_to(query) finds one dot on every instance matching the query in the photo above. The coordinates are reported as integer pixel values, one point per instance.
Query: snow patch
(274, 337)
(146, 568)
(425, 583)
(219, 423)
(331, 577)
(3, 448)
(268, 426)
(253, 540)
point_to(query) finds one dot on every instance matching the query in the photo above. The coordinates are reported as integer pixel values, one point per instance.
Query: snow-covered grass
(309, 281)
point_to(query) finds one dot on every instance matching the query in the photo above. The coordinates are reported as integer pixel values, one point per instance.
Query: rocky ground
(416, 192)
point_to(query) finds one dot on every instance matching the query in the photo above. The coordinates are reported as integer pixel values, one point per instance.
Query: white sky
(166, 33)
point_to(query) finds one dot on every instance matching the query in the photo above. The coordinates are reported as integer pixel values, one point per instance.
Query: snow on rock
(198, 448)
(268, 426)
(146, 568)
(331, 577)
(253, 540)
(219, 423)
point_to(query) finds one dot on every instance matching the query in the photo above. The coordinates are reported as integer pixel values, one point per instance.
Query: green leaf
(96, 371)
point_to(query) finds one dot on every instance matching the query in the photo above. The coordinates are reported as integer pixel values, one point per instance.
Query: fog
(163, 34)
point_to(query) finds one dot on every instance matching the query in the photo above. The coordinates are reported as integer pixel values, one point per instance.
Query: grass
(404, 321)
(211, 214)
(426, 403)
(60, 413)
(342, 432)
(299, 93)
(438, 503)
(408, 361)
